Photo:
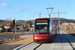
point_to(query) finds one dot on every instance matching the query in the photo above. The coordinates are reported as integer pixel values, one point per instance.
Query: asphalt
(11, 47)
(63, 41)
(4, 37)
(7, 47)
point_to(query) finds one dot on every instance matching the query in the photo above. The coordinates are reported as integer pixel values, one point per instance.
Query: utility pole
(59, 21)
(15, 25)
(70, 26)
(65, 25)
(29, 25)
(39, 15)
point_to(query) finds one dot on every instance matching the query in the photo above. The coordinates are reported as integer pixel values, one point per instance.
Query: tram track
(69, 41)
(37, 46)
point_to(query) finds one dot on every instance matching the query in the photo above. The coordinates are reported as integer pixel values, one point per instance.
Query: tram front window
(41, 28)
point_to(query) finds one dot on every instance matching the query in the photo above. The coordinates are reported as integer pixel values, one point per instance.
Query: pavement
(63, 41)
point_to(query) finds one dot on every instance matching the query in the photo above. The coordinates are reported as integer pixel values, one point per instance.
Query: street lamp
(15, 22)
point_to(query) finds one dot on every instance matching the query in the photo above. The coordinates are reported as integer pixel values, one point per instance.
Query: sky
(30, 9)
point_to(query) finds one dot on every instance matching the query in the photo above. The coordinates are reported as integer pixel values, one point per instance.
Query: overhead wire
(48, 2)
(49, 5)
(66, 11)
(66, 7)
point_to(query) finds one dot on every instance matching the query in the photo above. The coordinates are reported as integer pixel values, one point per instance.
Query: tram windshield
(41, 27)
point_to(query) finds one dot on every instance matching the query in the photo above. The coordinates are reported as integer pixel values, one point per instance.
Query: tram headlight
(35, 37)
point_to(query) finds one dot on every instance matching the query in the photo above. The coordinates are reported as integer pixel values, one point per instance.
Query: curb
(24, 36)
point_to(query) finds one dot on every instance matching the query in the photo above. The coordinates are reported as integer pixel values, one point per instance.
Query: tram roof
(42, 19)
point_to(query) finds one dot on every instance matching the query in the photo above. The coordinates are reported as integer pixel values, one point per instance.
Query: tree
(28, 24)
(12, 24)
(1, 27)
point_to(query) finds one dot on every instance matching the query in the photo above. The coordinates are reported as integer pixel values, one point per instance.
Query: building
(7, 26)
(67, 26)
(2, 29)
(32, 28)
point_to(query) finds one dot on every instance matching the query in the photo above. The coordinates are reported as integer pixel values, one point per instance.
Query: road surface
(11, 36)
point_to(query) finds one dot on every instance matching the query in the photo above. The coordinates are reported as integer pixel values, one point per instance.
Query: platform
(63, 41)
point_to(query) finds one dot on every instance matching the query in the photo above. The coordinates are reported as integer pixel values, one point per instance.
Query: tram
(44, 30)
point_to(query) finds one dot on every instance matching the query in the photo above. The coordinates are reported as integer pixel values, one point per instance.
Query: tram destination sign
(41, 20)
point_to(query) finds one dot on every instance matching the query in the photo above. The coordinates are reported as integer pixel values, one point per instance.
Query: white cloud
(8, 12)
(22, 8)
(4, 5)
(38, 12)
(9, 18)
